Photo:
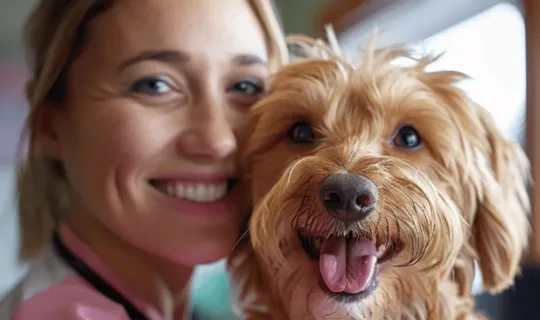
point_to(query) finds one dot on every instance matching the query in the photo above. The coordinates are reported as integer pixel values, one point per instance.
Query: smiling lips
(198, 192)
(200, 197)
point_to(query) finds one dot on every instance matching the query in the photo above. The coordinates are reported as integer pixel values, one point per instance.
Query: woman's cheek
(135, 138)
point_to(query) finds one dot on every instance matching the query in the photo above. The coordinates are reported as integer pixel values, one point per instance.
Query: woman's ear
(500, 230)
(47, 121)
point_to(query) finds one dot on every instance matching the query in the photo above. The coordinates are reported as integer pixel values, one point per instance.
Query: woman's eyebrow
(174, 56)
(248, 60)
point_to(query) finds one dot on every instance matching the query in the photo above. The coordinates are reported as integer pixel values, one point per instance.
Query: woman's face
(148, 136)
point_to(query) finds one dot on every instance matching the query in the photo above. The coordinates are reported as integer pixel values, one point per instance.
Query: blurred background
(486, 39)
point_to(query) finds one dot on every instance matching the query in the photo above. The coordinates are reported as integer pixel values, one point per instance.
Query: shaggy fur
(460, 196)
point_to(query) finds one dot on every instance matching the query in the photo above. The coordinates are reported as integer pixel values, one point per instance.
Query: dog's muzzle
(348, 266)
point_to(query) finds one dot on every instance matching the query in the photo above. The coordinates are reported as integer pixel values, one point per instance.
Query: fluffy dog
(376, 187)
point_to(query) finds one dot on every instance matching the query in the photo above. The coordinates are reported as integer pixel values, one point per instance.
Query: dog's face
(366, 181)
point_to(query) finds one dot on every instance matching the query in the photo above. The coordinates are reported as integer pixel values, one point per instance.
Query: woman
(130, 164)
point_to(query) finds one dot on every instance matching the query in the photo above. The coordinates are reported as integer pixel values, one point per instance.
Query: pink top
(52, 291)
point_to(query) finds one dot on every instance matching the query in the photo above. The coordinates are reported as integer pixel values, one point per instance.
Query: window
(489, 47)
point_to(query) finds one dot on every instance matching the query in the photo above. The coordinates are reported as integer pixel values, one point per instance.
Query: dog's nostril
(332, 198)
(348, 197)
(364, 200)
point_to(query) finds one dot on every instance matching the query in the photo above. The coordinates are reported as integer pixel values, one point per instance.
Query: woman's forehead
(222, 29)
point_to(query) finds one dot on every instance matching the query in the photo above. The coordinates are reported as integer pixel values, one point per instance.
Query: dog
(376, 187)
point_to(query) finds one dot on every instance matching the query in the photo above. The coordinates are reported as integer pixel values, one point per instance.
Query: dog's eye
(301, 133)
(407, 137)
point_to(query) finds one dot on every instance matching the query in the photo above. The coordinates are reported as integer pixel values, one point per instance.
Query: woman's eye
(407, 138)
(247, 87)
(301, 133)
(151, 86)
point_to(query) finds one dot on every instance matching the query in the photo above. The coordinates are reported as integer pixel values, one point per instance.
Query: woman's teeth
(194, 192)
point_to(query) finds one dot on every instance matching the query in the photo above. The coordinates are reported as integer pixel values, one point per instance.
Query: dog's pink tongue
(347, 265)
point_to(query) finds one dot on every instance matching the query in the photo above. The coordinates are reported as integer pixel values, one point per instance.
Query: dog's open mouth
(349, 266)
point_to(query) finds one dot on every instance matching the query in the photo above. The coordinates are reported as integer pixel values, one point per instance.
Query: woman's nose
(209, 139)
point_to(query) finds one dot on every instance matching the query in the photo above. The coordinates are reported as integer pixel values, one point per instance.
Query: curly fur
(461, 197)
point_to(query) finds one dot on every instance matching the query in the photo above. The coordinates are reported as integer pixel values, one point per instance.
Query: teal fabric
(211, 292)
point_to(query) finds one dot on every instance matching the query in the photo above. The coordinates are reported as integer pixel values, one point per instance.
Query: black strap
(95, 280)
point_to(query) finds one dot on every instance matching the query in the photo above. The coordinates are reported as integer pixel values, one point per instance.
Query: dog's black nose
(348, 197)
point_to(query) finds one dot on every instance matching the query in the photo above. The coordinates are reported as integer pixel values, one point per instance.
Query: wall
(12, 15)
(299, 15)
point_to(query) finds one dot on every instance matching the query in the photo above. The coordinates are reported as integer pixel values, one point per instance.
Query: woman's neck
(164, 284)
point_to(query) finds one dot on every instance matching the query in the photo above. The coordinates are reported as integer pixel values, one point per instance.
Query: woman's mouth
(203, 192)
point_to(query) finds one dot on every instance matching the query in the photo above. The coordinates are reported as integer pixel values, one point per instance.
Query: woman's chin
(205, 251)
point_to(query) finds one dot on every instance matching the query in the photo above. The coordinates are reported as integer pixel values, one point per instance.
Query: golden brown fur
(461, 196)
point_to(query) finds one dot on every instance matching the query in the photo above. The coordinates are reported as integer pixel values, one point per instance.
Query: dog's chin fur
(458, 198)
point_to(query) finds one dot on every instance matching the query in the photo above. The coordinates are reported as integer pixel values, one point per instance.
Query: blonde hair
(54, 35)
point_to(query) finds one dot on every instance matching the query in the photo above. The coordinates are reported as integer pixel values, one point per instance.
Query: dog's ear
(500, 228)
(496, 172)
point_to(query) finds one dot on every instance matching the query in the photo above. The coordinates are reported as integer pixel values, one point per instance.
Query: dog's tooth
(380, 250)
